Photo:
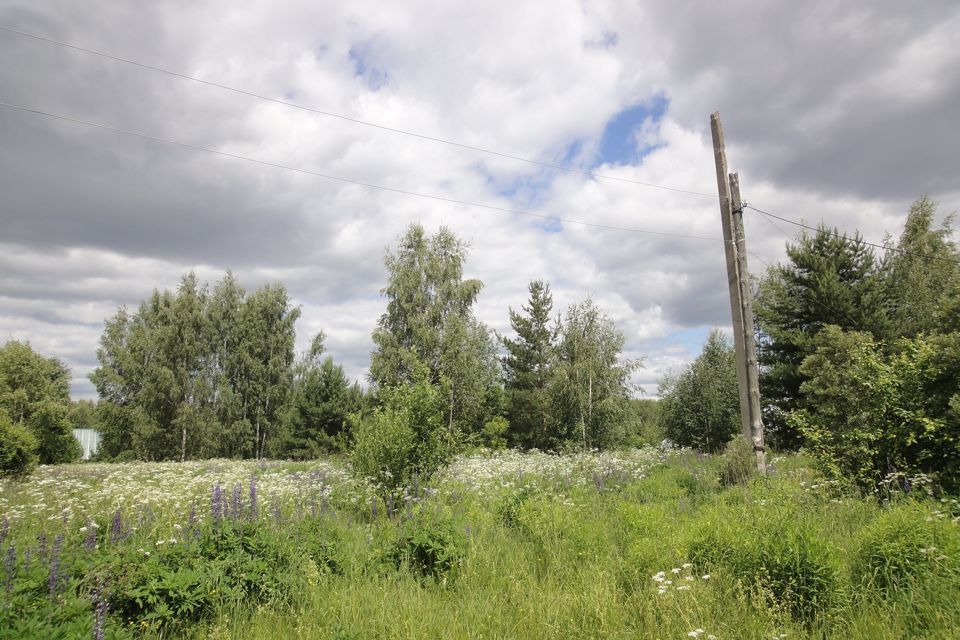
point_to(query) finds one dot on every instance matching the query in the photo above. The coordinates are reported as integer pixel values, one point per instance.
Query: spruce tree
(526, 369)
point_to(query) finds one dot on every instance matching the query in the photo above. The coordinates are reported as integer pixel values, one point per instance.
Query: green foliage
(34, 393)
(18, 449)
(645, 422)
(590, 386)
(494, 433)
(527, 367)
(739, 463)
(431, 544)
(321, 400)
(404, 437)
(921, 273)
(230, 563)
(700, 407)
(429, 322)
(198, 373)
(871, 414)
(830, 279)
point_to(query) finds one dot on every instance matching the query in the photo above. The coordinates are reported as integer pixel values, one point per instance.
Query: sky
(842, 112)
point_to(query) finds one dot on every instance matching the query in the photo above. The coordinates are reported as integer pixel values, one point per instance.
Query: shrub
(232, 562)
(431, 544)
(403, 438)
(18, 449)
(494, 433)
(869, 412)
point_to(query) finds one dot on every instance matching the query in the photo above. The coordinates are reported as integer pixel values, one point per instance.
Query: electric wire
(361, 183)
(330, 114)
(831, 232)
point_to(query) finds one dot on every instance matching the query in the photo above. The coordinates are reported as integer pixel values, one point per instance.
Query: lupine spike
(53, 580)
(116, 527)
(10, 564)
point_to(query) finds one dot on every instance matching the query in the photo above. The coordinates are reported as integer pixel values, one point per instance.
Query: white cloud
(93, 220)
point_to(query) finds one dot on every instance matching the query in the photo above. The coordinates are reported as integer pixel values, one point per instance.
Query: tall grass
(591, 553)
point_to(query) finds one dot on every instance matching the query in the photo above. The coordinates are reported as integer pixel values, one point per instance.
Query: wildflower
(53, 580)
(676, 570)
(116, 526)
(705, 576)
(659, 576)
(10, 564)
(687, 565)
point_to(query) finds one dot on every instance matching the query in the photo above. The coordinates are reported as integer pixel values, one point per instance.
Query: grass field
(637, 544)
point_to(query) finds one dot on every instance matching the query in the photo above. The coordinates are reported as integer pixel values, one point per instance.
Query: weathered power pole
(741, 307)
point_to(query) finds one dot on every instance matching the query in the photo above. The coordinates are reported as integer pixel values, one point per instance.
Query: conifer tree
(526, 369)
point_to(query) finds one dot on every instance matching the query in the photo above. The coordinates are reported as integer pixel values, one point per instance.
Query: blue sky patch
(373, 76)
(618, 145)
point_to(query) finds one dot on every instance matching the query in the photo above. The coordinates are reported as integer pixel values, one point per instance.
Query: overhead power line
(361, 183)
(330, 114)
(831, 232)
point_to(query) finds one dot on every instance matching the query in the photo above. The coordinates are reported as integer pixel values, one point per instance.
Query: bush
(230, 563)
(869, 413)
(18, 449)
(494, 433)
(431, 544)
(787, 563)
(404, 437)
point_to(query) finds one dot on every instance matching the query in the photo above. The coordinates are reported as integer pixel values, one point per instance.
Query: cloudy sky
(840, 111)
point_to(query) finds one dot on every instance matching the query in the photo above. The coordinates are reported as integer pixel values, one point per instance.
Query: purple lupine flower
(254, 515)
(216, 503)
(4, 529)
(53, 581)
(235, 505)
(100, 606)
(90, 542)
(10, 564)
(116, 527)
(390, 505)
(26, 560)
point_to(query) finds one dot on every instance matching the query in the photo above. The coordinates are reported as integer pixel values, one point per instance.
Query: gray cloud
(835, 110)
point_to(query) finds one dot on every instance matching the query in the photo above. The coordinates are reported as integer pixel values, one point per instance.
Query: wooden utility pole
(741, 307)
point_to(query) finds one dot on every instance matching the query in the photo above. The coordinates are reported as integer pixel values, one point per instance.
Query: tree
(194, 374)
(829, 279)
(590, 388)
(18, 449)
(34, 395)
(429, 321)
(321, 401)
(700, 406)
(527, 369)
(922, 273)
(873, 412)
